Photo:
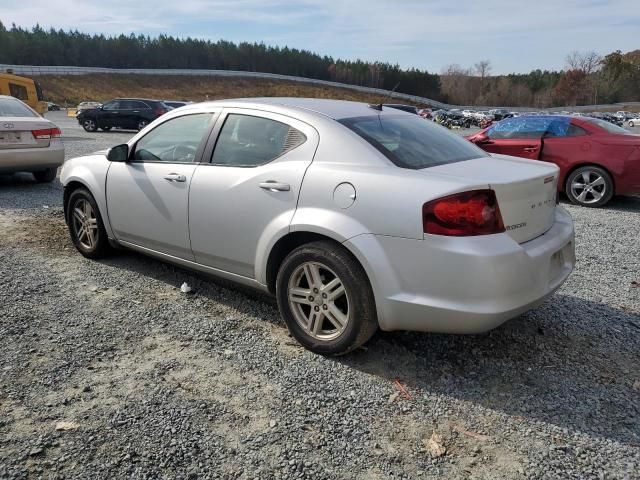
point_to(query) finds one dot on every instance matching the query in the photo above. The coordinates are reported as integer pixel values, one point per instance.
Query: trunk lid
(15, 132)
(526, 190)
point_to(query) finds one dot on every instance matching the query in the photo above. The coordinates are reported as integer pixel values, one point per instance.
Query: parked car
(634, 121)
(126, 113)
(53, 107)
(353, 217)
(28, 142)
(597, 160)
(87, 106)
(175, 103)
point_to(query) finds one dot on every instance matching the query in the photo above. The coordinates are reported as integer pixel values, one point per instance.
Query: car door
(566, 144)
(520, 137)
(108, 114)
(126, 114)
(249, 190)
(148, 195)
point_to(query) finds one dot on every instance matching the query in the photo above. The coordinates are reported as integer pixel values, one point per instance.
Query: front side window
(14, 108)
(248, 141)
(410, 142)
(111, 105)
(532, 127)
(174, 141)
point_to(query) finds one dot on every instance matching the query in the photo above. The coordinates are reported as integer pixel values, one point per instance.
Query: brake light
(159, 111)
(46, 133)
(463, 214)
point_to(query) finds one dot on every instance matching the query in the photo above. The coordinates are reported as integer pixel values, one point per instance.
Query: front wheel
(632, 124)
(325, 299)
(85, 225)
(589, 186)
(46, 176)
(89, 125)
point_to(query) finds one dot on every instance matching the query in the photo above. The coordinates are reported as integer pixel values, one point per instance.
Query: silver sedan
(28, 142)
(356, 217)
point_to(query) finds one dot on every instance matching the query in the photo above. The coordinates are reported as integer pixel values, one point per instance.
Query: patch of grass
(69, 90)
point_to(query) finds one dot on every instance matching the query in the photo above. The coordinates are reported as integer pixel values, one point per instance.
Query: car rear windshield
(412, 142)
(608, 126)
(15, 108)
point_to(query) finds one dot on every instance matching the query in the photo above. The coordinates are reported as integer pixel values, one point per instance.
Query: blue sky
(515, 35)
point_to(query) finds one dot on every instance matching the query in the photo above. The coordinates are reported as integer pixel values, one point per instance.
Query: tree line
(587, 78)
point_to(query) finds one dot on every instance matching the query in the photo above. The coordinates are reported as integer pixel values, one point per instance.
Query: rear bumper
(464, 285)
(32, 159)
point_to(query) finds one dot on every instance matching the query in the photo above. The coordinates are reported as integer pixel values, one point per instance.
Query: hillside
(72, 89)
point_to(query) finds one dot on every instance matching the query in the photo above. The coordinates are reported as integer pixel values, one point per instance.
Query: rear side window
(412, 142)
(609, 127)
(14, 108)
(248, 141)
(18, 91)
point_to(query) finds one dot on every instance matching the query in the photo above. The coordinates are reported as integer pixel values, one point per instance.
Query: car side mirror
(119, 153)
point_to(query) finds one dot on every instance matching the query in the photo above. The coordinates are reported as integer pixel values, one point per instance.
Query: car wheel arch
(587, 164)
(289, 242)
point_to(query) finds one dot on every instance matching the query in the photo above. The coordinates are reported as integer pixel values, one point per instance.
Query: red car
(597, 160)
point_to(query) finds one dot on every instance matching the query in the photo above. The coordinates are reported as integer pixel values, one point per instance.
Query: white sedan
(28, 142)
(356, 217)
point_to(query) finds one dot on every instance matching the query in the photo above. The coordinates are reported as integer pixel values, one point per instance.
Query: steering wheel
(182, 153)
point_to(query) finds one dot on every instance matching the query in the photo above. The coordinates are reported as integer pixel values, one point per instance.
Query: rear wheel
(632, 123)
(142, 123)
(85, 225)
(46, 176)
(325, 299)
(589, 186)
(89, 124)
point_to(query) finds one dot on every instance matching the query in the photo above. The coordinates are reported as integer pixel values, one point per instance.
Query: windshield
(609, 127)
(15, 108)
(411, 142)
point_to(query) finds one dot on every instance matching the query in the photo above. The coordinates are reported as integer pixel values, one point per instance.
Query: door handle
(530, 149)
(175, 177)
(274, 186)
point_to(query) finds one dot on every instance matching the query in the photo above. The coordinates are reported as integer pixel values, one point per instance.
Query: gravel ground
(108, 371)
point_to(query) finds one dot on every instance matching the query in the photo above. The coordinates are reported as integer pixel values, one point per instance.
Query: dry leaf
(63, 426)
(435, 446)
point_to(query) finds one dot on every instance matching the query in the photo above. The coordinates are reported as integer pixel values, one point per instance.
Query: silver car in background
(356, 217)
(28, 142)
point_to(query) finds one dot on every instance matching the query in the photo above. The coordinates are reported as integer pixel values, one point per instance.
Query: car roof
(335, 109)
(141, 99)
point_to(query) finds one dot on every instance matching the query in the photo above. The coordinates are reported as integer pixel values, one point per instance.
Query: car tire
(106, 129)
(632, 124)
(142, 123)
(89, 124)
(589, 186)
(85, 225)
(46, 176)
(333, 314)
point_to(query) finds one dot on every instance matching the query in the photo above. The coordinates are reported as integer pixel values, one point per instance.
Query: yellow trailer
(23, 88)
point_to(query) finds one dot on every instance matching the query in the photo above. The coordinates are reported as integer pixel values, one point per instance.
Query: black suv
(126, 113)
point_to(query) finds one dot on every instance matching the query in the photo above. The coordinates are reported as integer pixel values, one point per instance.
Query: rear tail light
(463, 214)
(46, 133)
(159, 111)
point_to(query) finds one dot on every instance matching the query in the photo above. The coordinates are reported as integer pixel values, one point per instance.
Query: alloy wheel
(85, 224)
(318, 301)
(89, 125)
(589, 187)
